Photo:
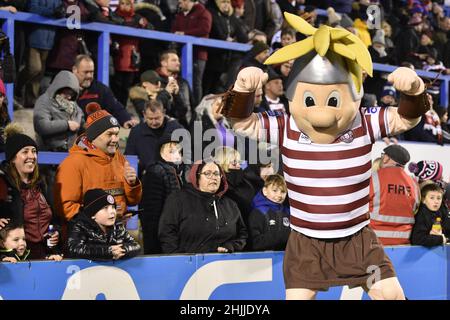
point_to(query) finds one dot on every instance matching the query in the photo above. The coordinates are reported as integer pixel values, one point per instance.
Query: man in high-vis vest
(394, 198)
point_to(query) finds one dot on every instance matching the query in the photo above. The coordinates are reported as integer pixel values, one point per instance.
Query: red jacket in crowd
(196, 23)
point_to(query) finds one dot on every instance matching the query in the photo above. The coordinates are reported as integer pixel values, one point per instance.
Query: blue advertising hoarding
(242, 276)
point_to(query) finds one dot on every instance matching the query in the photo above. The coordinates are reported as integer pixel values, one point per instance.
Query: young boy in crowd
(161, 178)
(13, 247)
(269, 220)
(94, 233)
(432, 225)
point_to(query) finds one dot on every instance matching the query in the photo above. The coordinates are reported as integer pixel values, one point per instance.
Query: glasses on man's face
(211, 174)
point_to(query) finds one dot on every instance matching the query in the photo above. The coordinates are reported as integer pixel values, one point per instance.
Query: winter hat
(379, 37)
(389, 91)
(2, 88)
(98, 122)
(16, 140)
(426, 170)
(257, 48)
(397, 153)
(166, 138)
(96, 199)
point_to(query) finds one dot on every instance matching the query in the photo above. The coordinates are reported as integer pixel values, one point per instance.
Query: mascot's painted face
(323, 112)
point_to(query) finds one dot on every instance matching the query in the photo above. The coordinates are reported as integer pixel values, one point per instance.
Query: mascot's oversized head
(324, 87)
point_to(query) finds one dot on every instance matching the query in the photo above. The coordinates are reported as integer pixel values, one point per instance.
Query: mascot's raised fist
(407, 81)
(249, 79)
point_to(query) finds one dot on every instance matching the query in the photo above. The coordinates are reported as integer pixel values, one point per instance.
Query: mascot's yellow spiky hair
(325, 39)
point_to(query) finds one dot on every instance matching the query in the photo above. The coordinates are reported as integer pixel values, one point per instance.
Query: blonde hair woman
(228, 158)
(240, 188)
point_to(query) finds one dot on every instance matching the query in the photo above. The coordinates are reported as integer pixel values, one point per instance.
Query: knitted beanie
(426, 170)
(98, 122)
(16, 142)
(95, 200)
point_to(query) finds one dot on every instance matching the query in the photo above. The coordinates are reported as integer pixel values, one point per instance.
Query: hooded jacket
(50, 118)
(88, 241)
(86, 168)
(268, 224)
(193, 221)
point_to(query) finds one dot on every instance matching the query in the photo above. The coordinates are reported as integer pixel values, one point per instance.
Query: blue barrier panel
(421, 271)
(241, 276)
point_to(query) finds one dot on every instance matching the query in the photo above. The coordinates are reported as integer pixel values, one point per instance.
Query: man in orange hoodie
(94, 161)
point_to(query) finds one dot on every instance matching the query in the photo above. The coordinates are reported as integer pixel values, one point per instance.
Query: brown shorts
(318, 264)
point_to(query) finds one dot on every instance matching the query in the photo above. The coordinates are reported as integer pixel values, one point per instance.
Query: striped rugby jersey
(328, 184)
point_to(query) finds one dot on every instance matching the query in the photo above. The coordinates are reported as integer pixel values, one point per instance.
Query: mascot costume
(326, 143)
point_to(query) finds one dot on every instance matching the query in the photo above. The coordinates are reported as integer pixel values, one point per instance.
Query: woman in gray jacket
(57, 117)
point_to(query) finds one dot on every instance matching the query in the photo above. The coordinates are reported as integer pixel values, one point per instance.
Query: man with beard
(96, 162)
(170, 69)
(92, 90)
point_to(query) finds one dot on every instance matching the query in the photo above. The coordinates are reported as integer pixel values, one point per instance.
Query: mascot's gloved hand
(249, 79)
(239, 102)
(413, 101)
(407, 81)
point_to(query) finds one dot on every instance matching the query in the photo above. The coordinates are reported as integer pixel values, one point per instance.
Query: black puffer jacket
(87, 240)
(189, 225)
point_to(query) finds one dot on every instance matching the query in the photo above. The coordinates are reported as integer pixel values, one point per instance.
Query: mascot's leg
(300, 294)
(386, 289)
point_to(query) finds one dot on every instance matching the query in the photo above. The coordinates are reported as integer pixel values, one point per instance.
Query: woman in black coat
(199, 219)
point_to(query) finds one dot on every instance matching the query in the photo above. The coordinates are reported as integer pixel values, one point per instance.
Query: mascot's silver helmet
(312, 68)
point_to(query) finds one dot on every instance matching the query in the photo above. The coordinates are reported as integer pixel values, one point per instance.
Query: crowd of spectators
(224, 202)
